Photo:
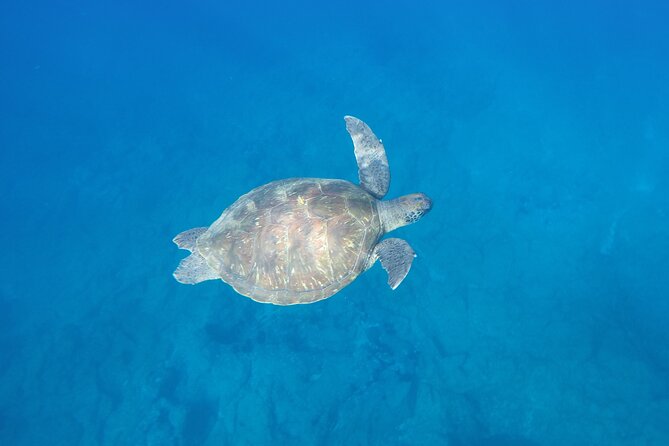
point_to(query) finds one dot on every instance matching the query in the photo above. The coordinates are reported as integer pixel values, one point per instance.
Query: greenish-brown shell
(293, 241)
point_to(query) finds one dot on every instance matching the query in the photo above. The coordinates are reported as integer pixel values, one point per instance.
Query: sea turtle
(301, 240)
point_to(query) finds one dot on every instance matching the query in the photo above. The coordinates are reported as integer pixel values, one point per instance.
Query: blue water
(536, 312)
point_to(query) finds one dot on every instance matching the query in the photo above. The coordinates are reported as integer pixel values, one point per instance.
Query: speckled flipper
(373, 168)
(187, 239)
(396, 257)
(194, 269)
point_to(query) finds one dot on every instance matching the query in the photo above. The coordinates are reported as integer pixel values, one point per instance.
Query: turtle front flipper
(373, 169)
(396, 257)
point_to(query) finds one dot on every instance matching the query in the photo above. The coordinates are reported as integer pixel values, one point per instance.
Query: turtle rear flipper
(186, 240)
(194, 269)
(396, 257)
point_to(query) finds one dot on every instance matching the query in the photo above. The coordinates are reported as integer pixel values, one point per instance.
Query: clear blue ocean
(535, 314)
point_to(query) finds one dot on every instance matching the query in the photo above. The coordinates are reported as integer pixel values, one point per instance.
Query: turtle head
(404, 210)
(415, 206)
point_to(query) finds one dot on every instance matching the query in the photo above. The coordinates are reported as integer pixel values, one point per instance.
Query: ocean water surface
(536, 312)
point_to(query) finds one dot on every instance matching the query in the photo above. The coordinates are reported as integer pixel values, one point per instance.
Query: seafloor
(535, 314)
